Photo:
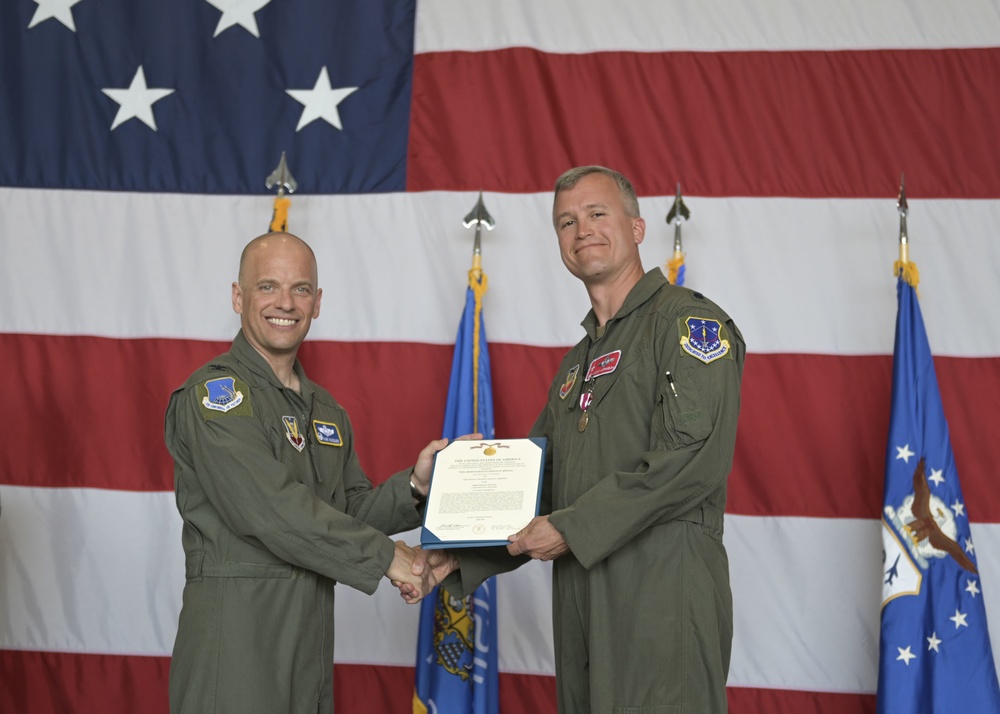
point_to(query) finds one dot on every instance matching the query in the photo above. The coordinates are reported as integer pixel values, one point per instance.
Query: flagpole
(283, 179)
(478, 282)
(457, 665)
(677, 215)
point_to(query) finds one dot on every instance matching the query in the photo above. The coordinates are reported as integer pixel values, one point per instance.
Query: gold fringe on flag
(907, 270)
(674, 266)
(279, 220)
(479, 282)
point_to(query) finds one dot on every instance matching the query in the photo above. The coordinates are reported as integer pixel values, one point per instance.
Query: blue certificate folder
(471, 503)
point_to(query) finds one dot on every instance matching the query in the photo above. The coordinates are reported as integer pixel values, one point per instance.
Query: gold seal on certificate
(483, 491)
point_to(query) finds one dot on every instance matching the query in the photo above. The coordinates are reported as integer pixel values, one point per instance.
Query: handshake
(416, 571)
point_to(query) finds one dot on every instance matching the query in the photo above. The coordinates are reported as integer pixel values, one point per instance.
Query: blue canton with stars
(202, 96)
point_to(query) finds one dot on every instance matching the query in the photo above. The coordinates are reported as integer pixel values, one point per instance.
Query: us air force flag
(934, 653)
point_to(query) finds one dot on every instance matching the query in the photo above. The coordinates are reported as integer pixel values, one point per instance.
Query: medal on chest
(585, 399)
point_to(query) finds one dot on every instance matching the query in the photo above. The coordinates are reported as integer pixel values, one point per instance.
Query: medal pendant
(584, 420)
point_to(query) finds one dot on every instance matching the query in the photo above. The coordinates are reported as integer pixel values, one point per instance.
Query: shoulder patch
(705, 339)
(327, 433)
(224, 395)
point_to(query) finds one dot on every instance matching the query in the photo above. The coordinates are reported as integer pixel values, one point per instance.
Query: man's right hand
(411, 585)
(427, 569)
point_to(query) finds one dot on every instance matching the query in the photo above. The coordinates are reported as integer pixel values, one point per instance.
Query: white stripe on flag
(415, 245)
(101, 572)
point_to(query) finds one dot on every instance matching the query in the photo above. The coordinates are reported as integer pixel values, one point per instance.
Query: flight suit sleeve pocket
(686, 417)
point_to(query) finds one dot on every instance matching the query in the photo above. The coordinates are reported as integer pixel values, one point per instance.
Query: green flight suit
(276, 509)
(642, 606)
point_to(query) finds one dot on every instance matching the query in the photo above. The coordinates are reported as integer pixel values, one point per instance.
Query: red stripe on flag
(743, 700)
(811, 439)
(56, 683)
(806, 124)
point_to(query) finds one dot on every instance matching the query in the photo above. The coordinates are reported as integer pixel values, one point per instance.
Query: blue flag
(457, 641)
(934, 653)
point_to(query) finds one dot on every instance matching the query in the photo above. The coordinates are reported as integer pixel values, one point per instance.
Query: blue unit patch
(222, 394)
(327, 433)
(704, 340)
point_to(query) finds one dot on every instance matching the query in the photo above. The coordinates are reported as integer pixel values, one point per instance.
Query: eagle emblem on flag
(453, 622)
(926, 525)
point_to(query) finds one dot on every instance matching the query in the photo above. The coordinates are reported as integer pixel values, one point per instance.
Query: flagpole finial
(903, 209)
(478, 217)
(904, 267)
(677, 215)
(283, 179)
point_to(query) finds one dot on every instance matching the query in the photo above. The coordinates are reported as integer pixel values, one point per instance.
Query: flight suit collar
(243, 351)
(642, 291)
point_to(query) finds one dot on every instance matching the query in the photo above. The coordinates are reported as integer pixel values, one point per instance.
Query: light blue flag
(934, 653)
(457, 641)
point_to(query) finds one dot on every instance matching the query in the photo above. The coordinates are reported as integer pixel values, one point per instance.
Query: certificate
(482, 491)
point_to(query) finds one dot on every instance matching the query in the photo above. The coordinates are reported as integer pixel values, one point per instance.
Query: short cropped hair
(569, 179)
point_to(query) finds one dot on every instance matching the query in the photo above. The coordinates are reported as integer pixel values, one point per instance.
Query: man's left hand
(421, 475)
(539, 540)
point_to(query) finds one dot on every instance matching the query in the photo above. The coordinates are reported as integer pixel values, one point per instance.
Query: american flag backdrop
(135, 138)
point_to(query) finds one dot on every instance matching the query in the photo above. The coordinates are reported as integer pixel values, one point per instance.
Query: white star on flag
(321, 101)
(936, 476)
(959, 619)
(136, 101)
(969, 548)
(61, 10)
(904, 453)
(905, 655)
(238, 12)
(933, 642)
(958, 507)
(972, 589)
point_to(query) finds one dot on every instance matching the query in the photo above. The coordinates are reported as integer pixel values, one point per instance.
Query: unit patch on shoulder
(292, 432)
(327, 433)
(705, 339)
(570, 381)
(224, 395)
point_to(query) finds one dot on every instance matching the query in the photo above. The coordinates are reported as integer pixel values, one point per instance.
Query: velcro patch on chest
(605, 364)
(327, 433)
(292, 432)
(224, 395)
(705, 339)
(567, 385)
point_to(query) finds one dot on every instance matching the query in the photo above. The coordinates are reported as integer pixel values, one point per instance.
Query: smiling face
(276, 296)
(598, 239)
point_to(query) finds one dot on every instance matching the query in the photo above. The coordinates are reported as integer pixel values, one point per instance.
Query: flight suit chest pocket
(686, 418)
(624, 372)
(291, 445)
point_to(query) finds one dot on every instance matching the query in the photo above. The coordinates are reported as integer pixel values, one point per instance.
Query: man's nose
(285, 300)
